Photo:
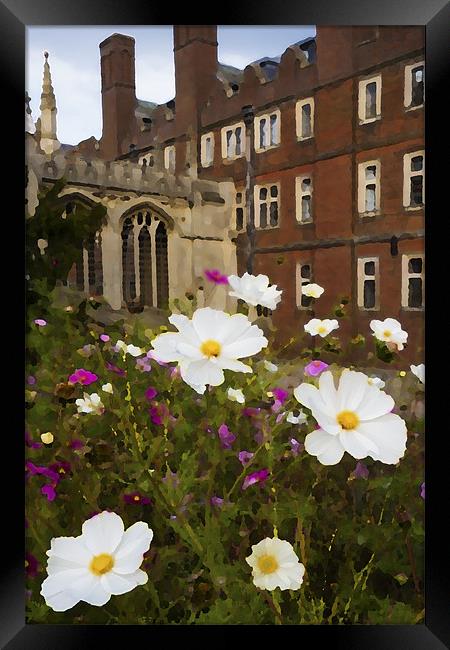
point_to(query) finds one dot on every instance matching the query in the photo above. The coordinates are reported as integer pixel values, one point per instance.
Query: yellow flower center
(101, 564)
(136, 498)
(267, 564)
(210, 348)
(27, 564)
(348, 419)
(387, 333)
(322, 329)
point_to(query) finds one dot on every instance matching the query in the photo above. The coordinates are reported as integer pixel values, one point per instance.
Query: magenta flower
(214, 275)
(104, 337)
(49, 491)
(360, 471)
(422, 490)
(159, 414)
(216, 501)
(257, 477)
(245, 457)
(280, 394)
(40, 322)
(31, 380)
(31, 565)
(83, 377)
(61, 467)
(314, 368)
(33, 469)
(113, 368)
(226, 437)
(296, 446)
(76, 444)
(135, 498)
(251, 411)
(150, 393)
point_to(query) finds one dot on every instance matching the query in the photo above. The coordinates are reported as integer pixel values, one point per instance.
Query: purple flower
(83, 377)
(40, 322)
(214, 275)
(151, 355)
(143, 364)
(104, 337)
(60, 468)
(280, 394)
(314, 368)
(44, 471)
(150, 393)
(31, 380)
(76, 444)
(226, 437)
(49, 491)
(216, 501)
(245, 457)
(113, 368)
(250, 411)
(31, 565)
(257, 477)
(422, 490)
(360, 471)
(296, 446)
(159, 413)
(29, 442)
(135, 498)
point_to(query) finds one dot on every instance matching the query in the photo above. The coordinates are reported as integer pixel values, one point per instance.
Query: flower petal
(202, 372)
(72, 549)
(135, 542)
(375, 404)
(389, 434)
(103, 533)
(326, 447)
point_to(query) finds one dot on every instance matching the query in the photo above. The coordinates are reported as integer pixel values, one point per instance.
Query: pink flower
(216, 501)
(296, 446)
(83, 377)
(159, 414)
(49, 491)
(314, 368)
(360, 471)
(104, 337)
(245, 457)
(226, 437)
(214, 275)
(251, 411)
(113, 368)
(143, 364)
(150, 393)
(135, 498)
(41, 322)
(280, 394)
(31, 565)
(257, 477)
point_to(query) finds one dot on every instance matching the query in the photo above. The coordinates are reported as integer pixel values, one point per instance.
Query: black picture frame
(15, 15)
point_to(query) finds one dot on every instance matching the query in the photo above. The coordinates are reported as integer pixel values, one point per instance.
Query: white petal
(376, 403)
(327, 448)
(328, 391)
(165, 346)
(60, 601)
(121, 584)
(208, 323)
(389, 433)
(189, 352)
(72, 549)
(356, 444)
(103, 532)
(135, 542)
(202, 372)
(352, 389)
(186, 329)
(245, 347)
(97, 595)
(304, 393)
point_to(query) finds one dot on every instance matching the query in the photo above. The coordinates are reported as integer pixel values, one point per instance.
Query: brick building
(324, 147)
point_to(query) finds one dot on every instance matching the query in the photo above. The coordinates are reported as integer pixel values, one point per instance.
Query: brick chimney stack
(118, 95)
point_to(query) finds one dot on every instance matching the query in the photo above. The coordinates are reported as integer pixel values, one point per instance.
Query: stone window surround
(408, 85)
(268, 201)
(362, 277)
(362, 183)
(298, 118)
(407, 173)
(406, 275)
(363, 83)
(299, 194)
(170, 157)
(233, 127)
(299, 282)
(205, 162)
(267, 117)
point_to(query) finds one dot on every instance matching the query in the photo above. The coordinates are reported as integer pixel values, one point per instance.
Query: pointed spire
(29, 126)
(49, 140)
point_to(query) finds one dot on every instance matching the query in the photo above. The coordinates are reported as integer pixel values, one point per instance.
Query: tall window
(414, 85)
(207, 149)
(266, 206)
(169, 158)
(303, 196)
(267, 131)
(304, 118)
(369, 188)
(368, 283)
(303, 276)
(413, 277)
(369, 100)
(233, 141)
(239, 210)
(414, 180)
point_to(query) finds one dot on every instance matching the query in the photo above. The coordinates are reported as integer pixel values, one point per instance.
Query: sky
(75, 65)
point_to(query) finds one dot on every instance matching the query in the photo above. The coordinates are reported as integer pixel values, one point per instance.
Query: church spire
(49, 140)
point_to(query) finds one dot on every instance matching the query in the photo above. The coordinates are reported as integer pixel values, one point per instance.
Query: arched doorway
(145, 278)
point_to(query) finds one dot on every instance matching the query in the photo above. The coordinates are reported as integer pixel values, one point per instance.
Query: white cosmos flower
(312, 290)
(236, 395)
(390, 331)
(107, 388)
(275, 564)
(90, 404)
(376, 381)
(271, 367)
(210, 343)
(134, 350)
(255, 290)
(296, 419)
(321, 327)
(419, 371)
(103, 561)
(355, 418)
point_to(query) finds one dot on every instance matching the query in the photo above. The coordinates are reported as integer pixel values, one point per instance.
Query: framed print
(225, 337)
